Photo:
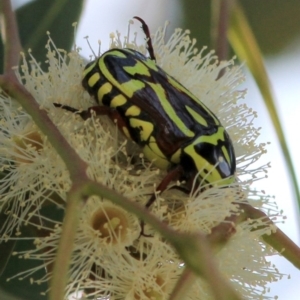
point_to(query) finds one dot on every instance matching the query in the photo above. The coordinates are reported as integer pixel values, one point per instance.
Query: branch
(220, 19)
(10, 37)
(276, 238)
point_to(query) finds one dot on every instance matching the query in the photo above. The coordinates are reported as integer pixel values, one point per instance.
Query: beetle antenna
(148, 37)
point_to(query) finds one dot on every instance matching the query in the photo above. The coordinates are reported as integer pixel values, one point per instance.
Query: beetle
(171, 125)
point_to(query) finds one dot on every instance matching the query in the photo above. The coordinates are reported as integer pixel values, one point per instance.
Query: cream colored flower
(109, 260)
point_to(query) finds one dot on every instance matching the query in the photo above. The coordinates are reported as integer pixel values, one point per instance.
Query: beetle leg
(173, 175)
(85, 114)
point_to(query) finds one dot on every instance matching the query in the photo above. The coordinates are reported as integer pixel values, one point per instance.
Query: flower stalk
(10, 38)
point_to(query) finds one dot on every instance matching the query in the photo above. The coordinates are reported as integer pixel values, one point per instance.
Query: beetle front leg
(98, 110)
(86, 114)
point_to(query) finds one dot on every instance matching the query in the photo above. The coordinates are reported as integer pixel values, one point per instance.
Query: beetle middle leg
(173, 175)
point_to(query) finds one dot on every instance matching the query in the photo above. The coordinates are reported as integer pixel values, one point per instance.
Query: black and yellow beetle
(172, 127)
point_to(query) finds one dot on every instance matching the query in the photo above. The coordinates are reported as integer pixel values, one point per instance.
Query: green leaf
(40, 16)
(275, 24)
(6, 248)
(13, 264)
(245, 46)
(6, 296)
(23, 288)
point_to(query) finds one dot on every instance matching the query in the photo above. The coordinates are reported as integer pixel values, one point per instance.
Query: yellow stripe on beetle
(103, 90)
(196, 116)
(90, 68)
(165, 103)
(153, 153)
(138, 68)
(133, 111)
(118, 100)
(130, 87)
(145, 128)
(207, 170)
(93, 79)
(182, 89)
(225, 153)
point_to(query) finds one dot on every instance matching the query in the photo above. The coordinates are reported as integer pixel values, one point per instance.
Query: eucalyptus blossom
(110, 259)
